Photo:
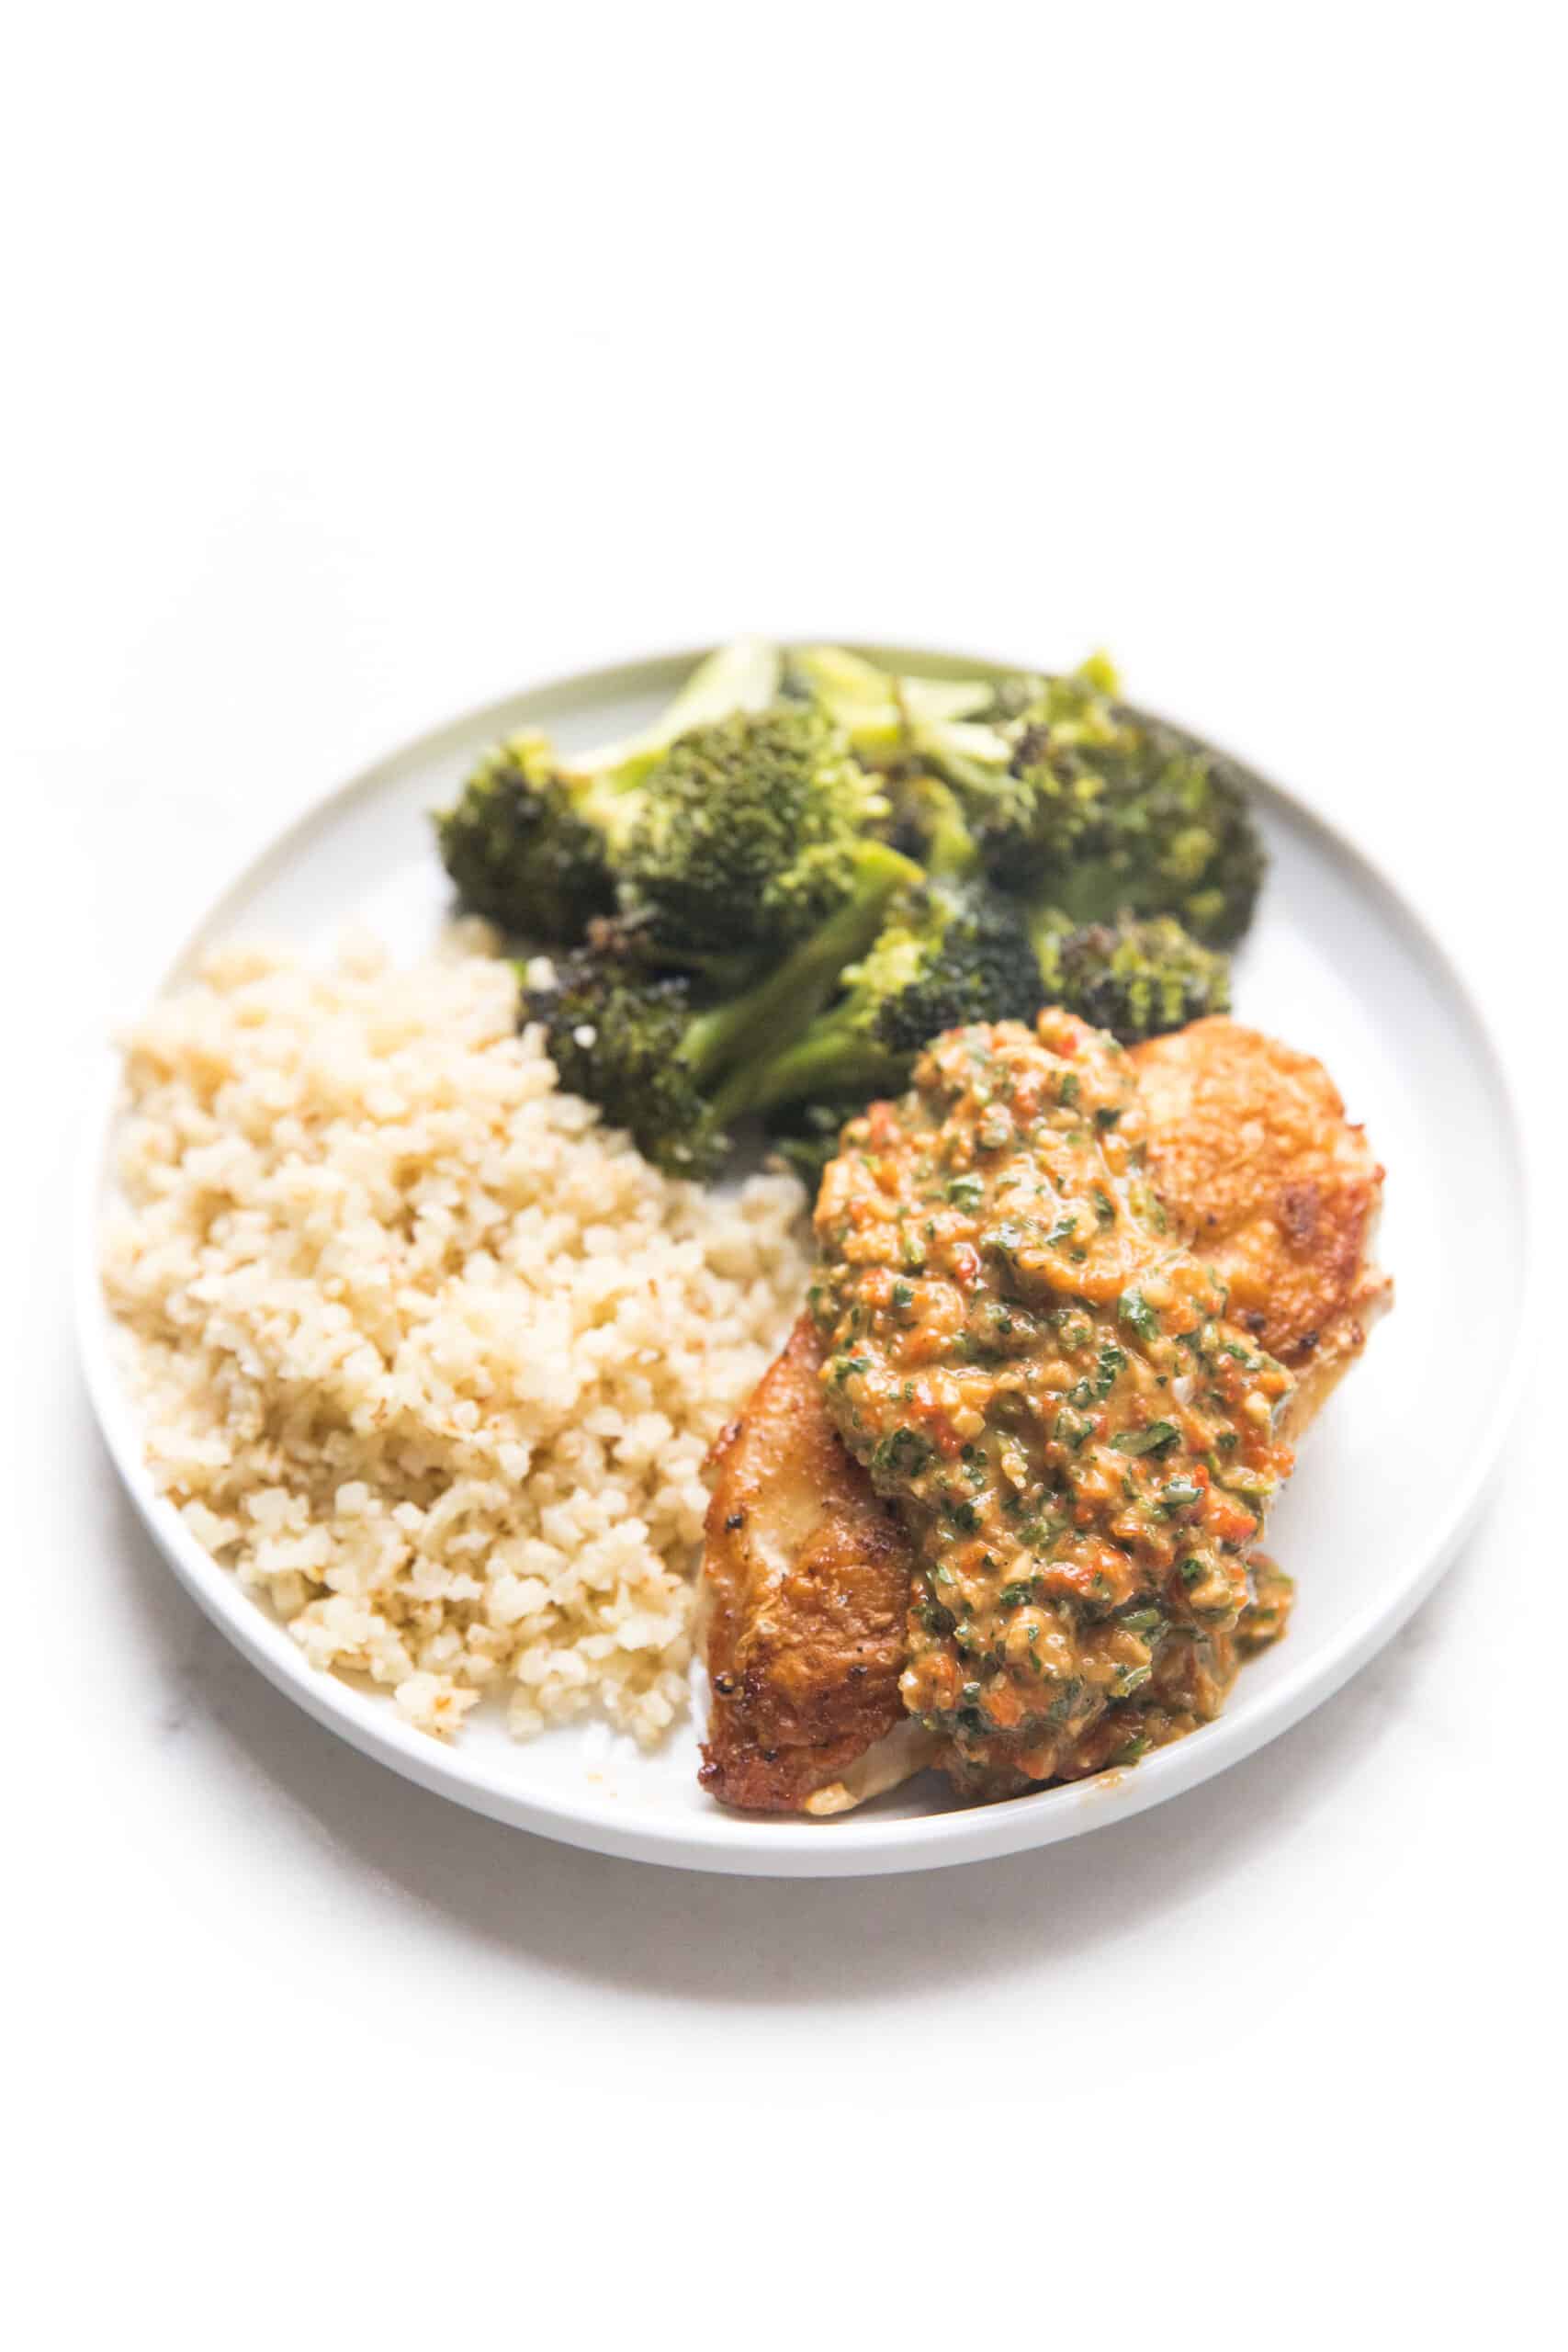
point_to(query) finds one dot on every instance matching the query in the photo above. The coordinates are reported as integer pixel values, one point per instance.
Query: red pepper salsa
(1034, 1366)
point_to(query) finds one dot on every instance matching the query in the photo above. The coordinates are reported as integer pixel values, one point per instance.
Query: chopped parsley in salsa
(1038, 1371)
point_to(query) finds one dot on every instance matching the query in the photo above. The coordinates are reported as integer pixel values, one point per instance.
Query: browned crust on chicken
(1249, 1145)
(807, 1577)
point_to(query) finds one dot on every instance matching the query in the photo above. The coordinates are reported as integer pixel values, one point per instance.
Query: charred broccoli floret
(1136, 978)
(670, 1068)
(634, 1045)
(1030, 773)
(534, 842)
(750, 832)
(946, 955)
(1173, 835)
(1063, 789)
(926, 821)
(808, 866)
(528, 849)
(963, 955)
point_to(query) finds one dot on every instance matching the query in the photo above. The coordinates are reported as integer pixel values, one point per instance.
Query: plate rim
(751, 1845)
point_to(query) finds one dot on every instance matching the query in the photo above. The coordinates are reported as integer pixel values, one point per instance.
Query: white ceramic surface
(1387, 1483)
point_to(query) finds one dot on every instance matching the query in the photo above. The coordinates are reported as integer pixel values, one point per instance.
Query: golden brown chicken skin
(1249, 1145)
(807, 1575)
(808, 1572)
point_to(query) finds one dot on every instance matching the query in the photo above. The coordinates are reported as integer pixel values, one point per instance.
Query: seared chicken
(1249, 1145)
(808, 1571)
(808, 1580)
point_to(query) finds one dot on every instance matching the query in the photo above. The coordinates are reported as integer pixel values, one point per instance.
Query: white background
(368, 362)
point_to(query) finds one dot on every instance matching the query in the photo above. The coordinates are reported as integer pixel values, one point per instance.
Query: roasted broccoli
(809, 864)
(634, 1045)
(534, 842)
(527, 848)
(670, 1069)
(748, 833)
(1173, 835)
(1109, 813)
(926, 821)
(1061, 788)
(1136, 978)
(744, 675)
(1029, 772)
(947, 955)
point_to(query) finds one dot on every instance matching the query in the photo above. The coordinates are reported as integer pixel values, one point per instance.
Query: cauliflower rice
(424, 1354)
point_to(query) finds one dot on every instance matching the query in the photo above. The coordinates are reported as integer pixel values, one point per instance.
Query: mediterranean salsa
(1037, 1370)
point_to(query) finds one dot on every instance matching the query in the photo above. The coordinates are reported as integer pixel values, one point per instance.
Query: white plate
(1388, 1480)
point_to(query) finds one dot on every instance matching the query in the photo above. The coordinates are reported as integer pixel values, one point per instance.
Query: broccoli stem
(833, 1061)
(737, 1043)
(950, 850)
(741, 676)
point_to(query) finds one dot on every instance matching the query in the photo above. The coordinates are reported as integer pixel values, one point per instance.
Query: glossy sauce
(1032, 1362)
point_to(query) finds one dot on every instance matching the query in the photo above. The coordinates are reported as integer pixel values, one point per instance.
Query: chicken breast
(807, 1576)
(1249, 1145)
(807, 1572)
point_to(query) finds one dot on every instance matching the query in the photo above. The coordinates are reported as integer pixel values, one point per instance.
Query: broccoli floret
(1030, 773)
(750, 832)
(1135, 978)
(1066, 791)
(895, 856)
(946, 955)
(670, 1068)
(1079, 705)
(1060, 786)
(1173, 834)
(632, 1045)
(963, 955)
(525, 848)
(534, 842)
(744, 675)
(926, 821)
